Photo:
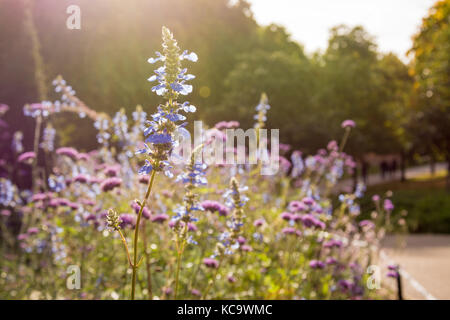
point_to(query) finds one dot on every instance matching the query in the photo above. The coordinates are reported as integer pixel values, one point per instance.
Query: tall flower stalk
(160, 131)
(261, 115)
(192, 178)
(261, 118)
(228, 240)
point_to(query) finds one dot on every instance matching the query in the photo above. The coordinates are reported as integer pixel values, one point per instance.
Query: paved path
(425, 260)
(374, 179)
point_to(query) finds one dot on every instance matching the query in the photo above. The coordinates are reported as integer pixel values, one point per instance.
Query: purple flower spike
(348, 124)
(393, 267)
(192, 227)
(344, 285)
(88, 202)
(5, 213)
(112, 171)
(332, 244)
(110, 184)
(367, 224)
(146, 213)
(286, 216)
(332, 145)
(289, 230)
(91, 217)
(195, 292)
(83, 157)
(285, 164)
(22, 236)
(160, 218)
(316, 264)
(259, 222)
(296, 206)
(308, 201)
(68, 152)
(3, 108)
(32, 231)
(222, 125)
(392, 274)
(39, 197)
(127, 220)
(309, 221)
(241, 240)
(388, 205)
(168, 291)
(144, 179)
(73, 205)
(320, 224)
(214, 206)
(81, 178)
(211, 263)
(26, 157)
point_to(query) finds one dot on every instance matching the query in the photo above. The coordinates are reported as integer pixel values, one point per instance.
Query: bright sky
(392, 22)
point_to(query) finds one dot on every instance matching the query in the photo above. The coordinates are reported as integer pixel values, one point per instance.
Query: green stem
(179, 255)
(136, 235)
(124, 241)
(344, 139)
(147, 264)
(177, 274)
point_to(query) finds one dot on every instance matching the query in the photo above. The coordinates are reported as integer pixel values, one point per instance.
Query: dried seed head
(113, 219)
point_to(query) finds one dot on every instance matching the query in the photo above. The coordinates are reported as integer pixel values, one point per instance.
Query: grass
(425, 198)
(428, 177)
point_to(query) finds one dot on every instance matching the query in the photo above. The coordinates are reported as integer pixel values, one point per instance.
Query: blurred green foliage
(426, 202)
(431, 71)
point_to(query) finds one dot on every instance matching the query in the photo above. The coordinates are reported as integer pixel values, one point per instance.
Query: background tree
(431, 71)
(359, 83)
